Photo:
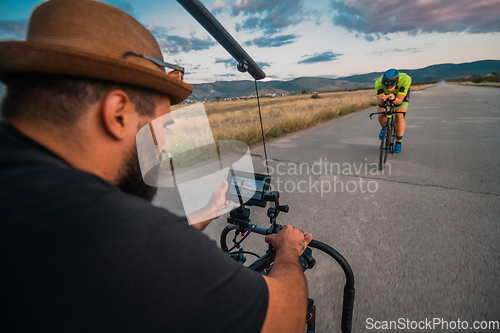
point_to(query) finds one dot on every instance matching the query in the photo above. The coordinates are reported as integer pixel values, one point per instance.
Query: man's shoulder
(64, 195)
(36, 182)
(378, 82)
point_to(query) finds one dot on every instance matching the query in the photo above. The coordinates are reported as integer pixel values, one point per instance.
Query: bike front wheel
(384, 148)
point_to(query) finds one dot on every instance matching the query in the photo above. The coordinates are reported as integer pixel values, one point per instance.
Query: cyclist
(82, 248)
(393, 86)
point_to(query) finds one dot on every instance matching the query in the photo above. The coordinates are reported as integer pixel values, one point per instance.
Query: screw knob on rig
(243, 66)
(283, 208)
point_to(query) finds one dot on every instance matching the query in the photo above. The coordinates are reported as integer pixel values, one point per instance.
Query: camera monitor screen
(247, 188)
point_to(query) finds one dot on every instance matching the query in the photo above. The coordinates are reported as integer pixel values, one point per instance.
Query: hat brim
(36, 57)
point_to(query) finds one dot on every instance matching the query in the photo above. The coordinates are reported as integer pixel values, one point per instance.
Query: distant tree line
(424, 82)
(493, 77)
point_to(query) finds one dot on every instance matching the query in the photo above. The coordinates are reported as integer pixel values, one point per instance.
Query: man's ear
(118, 114)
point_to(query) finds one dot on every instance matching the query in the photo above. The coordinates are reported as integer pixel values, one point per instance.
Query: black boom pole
(210, 23)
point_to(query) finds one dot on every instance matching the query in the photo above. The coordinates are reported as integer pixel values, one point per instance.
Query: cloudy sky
(296, 38)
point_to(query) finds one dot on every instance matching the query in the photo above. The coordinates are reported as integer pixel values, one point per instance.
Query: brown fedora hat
(88, 38)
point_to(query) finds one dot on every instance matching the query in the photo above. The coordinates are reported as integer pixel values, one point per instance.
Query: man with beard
(82, 248)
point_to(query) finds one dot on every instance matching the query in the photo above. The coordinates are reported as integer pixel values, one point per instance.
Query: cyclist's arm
(403, 91)
(381, 99)
(399, 99)
(379, 91)
(286, 283)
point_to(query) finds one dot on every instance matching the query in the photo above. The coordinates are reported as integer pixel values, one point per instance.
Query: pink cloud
(386, 16)
(151, 26)
(218, 5)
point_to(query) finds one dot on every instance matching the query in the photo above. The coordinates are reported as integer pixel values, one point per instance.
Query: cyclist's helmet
(390, 78)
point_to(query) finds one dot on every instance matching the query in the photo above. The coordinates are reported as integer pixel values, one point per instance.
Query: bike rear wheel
(384, 148)
(392, 137)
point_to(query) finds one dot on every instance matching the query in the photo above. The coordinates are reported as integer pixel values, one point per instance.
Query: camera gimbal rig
(239, 220)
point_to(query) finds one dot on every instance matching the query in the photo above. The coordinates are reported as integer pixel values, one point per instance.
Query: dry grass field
(239, 119)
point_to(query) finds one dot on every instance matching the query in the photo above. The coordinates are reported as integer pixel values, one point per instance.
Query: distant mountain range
(226, 89)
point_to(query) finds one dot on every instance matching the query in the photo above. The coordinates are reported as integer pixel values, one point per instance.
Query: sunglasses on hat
(177, 71)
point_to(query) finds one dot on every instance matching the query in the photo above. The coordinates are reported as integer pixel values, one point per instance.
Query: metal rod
(210, 23)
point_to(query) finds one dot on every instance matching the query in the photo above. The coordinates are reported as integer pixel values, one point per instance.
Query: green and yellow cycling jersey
(402, 87)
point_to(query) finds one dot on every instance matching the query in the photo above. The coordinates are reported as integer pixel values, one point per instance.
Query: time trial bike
(389, 138)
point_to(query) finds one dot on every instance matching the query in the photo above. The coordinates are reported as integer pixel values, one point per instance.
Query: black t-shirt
(77, 254)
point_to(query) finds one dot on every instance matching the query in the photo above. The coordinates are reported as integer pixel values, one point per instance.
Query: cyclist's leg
(400, 122)
(382, 118)
(400, 117)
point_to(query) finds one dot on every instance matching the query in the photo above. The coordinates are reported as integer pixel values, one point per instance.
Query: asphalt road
(423, 239)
